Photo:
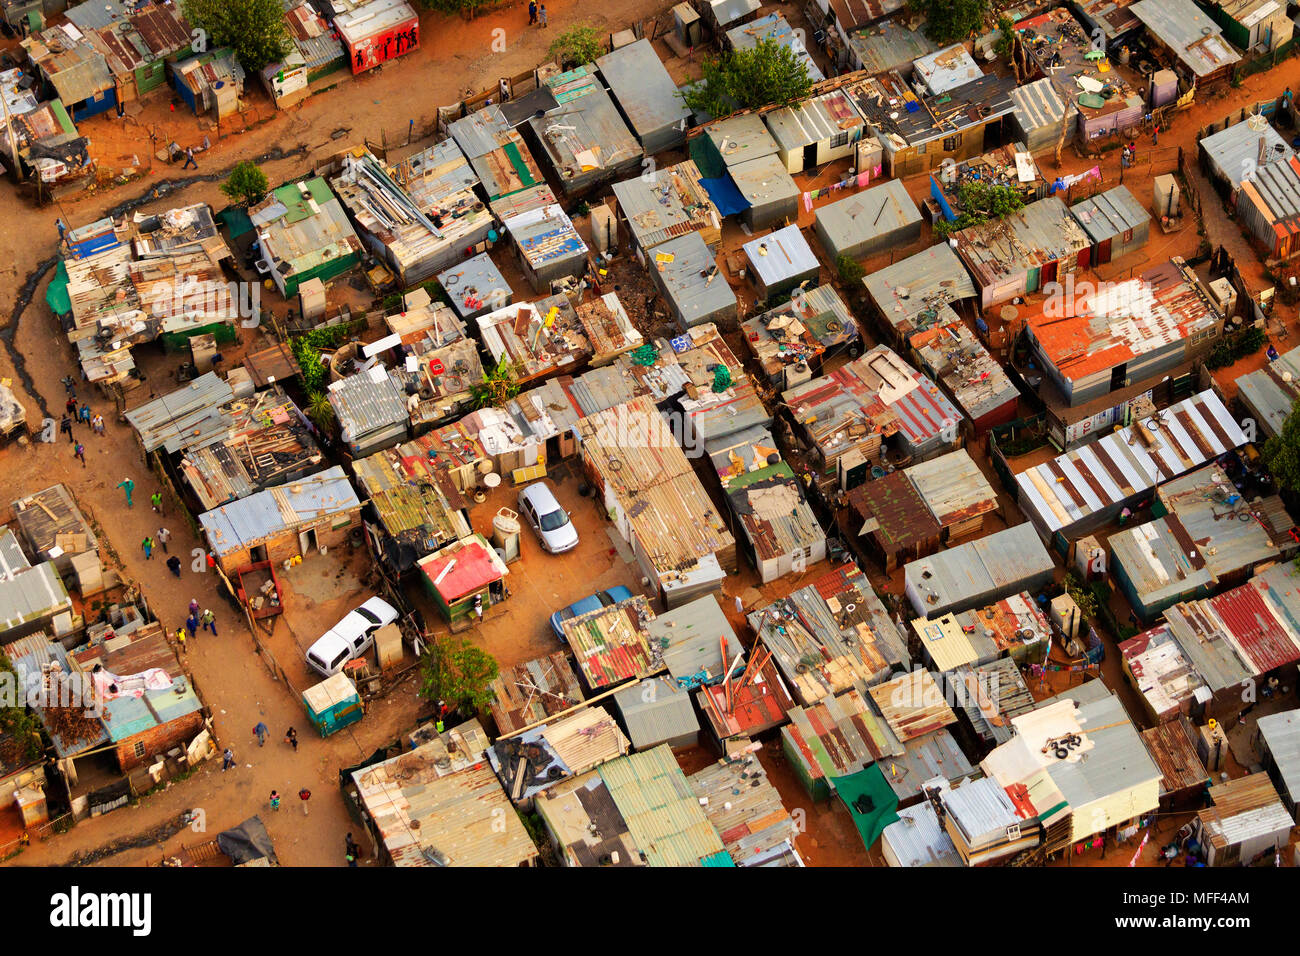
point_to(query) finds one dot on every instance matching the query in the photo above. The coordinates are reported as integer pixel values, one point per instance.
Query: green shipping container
(333, 704)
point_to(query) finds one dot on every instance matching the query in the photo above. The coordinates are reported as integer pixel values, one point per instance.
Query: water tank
(505, 533)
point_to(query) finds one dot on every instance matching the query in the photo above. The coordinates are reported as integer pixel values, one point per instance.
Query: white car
(350, 637)
(551, 522)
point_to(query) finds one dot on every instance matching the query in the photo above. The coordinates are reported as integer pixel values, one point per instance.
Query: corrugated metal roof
(765, 183)
(775, 514)
(1247, 808)
(741, 139)
(1189, 33)
(583, 137)
(571, 745)
(643, 88)
(671, 203)
(917, 838)
(1038, 106)
(838, 736)
(250, 521)
(530, 692)
(815, 120)
(1040, 233)
(925, 758)
(728, 11)
(781, 256)
(995, 692)
(31, 594)
(170, 420)
(746, 810)
(663, 815)
(685, 281)
(888, 46)
(953, 487)
(975, 379)
(1274, 189)
(436, 801)
(689, 638)
(912, 705)
(1281, 735)
(879, 211)
(12, 558)
(978, 572)
(979, 808)
(1269, 395)
(1165, 677)
(917, 293)
(657, 710)
(830, 635)
(901, 522)
(1084, 486)
(584, 821)
(1237, 150)
(366, 402)
(851, 14)
(1110, 214)
(1172, 746)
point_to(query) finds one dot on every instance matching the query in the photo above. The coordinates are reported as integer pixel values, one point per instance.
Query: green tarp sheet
(56, 295)
(870, 800)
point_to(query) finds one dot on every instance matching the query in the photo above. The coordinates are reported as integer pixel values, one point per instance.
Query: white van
(350, 637)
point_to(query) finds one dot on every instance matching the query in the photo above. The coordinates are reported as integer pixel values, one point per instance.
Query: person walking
(260, 731)
(174, 566)
(97, 424)
(128, 486)
(70, 406)
(209, 621)
(350, 850)
(65, 426)
(180, 639)
(83, 414)
(79, 451)
(155, 499)
(541, 14)
(227, 760)
(1155, 134)
(532, 12)
(189, 158)
(147, 544)
(212, 561)
(291, 737)
(192, 626)
(164, 535)
(275, 800)
(194, 607)
(304, 795)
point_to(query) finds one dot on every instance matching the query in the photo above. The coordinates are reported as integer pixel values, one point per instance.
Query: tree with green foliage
(1282, 454)
(1006, 38)
(307, 348)
(850, 270)
(320, 411)
(767, 74)
(951, 21)
(497, 386)
(246, 184)
(254, 29)
(577, 47)
(20, 731)
(455, 671)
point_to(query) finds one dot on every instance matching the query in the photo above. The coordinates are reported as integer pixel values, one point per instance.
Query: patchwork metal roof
(1086, 484)
(1189, 32)
(814, 120)
(1110, 214)
(250, 521)
(917, 293)
(888, 46)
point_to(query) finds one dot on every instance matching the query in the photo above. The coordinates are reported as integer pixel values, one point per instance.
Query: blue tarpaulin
(725, 195)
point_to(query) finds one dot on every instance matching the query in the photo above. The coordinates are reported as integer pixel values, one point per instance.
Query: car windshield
(367, 615)
(556, 519)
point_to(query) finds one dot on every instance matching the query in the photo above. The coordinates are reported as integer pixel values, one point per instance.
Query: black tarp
(247, 842)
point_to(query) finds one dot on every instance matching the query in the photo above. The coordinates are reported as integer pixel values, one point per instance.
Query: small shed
(955, 491)
(1172, 746)
(979, 572)
(1115, 222)
(1277, 741)
(771, 194)
(734, 141)
(460, 572)
(1246, 819)
(780, 261)
(333, 704)
(1041, 115)
(883, 217)
(818, 130)
(889, 521)
(687, 276)
(1268, 202)
(835, 737)
(658, 710)
(377, 31)
(646, 96)
(549, 247)
(371, 410)
(476, 287)
(1233, 153)
(53, 527)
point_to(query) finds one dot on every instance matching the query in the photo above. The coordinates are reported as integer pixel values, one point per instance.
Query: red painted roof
(474, 570)
(1251, 622)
